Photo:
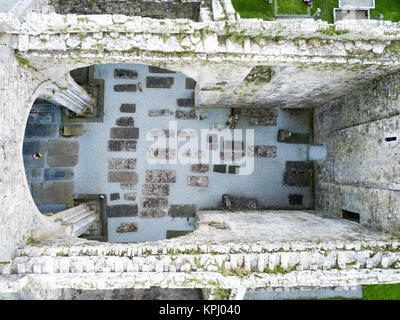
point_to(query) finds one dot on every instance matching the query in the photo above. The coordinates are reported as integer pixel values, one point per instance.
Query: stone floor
(50, 178)
(147, 201)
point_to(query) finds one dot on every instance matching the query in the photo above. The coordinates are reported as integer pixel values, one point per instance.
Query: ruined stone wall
(283, 249)
(20, 221)
(311, 62)
(362, 171)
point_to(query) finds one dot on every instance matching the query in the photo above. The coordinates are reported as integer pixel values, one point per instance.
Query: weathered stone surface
(122, 145)
(160, 112)
(298, 173)
(128, 186)
(122, 176)
(230, 202)
(127, 227)
(220, 168)
(125, 122)
(154, 203)
(124, 133)
(125, 74)
(122, 163)
(58, 174)
(130, 196)
(159, 82)
(182, 210)
(158, 190)
(152, 213)
(177, 233)
(114, 196)
(128, 108)
(199, 168)
(41, 130)
(60, 147)
(53, 192)
(153, 69)
(295, 199)
(161, 176)
(190, 83)
(122, 210)
(62, 161)
(290, 137)
(186, 115)
(187, 102)
(197, 181)
(261, 151)
(125, 88)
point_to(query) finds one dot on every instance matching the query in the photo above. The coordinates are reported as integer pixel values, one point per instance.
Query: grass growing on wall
(326, 7)
(389, 8)
(254, 9)
(292, 7)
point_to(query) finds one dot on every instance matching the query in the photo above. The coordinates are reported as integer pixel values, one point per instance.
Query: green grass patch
(326, 7)
(381, 291)
(292, 7)
(389, 8)
(260, 9)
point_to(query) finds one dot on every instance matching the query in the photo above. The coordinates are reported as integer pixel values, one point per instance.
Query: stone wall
(284, 249)
(20, 221)
(324, 63)
(362, 172)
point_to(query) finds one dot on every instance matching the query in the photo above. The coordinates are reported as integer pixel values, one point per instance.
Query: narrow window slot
(352, 216)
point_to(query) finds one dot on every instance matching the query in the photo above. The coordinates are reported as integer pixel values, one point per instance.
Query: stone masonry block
(122, 163)
(159, 82)
(161, 176)
(159, 70)
(197, 181)
(59, 147)
(122, 145)
(154, 203)
(125, 88)
(125, 122)
(62, 161)
(124, 133)
(152, 189)
(122, 210)
(182, 210)
(125, 74)
(122, 176)
(59, 174)
(128, 108)
(53, 192)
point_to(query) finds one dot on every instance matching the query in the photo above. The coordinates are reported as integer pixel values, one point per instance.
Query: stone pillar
(74, 97)
(78, 219)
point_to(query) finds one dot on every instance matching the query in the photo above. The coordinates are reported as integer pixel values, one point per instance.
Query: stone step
(278, 262)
